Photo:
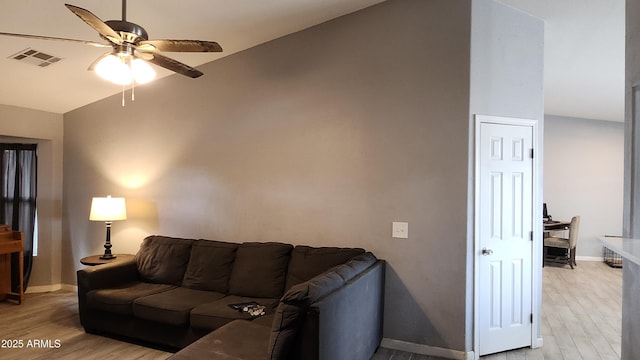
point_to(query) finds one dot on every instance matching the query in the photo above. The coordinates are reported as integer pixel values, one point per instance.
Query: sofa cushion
(259, 270)
(210, 265)
(120, 299)
(307, 262)
(294, 303)
(266, 319)
(215, 314)
(163, 259)
(173, 306)
(237, 340)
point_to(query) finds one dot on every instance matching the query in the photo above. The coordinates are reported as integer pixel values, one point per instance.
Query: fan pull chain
(133, 90)
(122, 95)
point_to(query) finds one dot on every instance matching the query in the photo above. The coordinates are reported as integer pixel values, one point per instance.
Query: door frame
(536, 261)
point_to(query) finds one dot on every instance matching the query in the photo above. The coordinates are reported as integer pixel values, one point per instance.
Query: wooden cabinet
(11, 248)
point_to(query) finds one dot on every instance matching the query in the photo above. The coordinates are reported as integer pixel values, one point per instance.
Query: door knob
(486, 251)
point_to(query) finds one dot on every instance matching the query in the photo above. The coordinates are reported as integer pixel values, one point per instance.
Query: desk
(548, 226)
(11, 245)
(555, 225)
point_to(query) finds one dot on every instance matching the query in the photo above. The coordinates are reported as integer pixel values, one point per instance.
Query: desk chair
(568, 245)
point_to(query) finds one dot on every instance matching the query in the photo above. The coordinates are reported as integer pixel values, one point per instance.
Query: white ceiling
(584, 46)
(67, 85)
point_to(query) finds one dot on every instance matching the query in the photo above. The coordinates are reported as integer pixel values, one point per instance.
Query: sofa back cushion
(210, 265)
(259, 270)
(293, 305)
(163, 259)
(307, 262)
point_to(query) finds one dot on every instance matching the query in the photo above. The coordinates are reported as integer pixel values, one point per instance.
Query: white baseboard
(68, 287)
(43, 288)
(50, 288)
(589, 258)
(426, 349)
(538, 343)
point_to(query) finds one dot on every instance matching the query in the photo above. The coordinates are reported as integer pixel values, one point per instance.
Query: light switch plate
(400, 230)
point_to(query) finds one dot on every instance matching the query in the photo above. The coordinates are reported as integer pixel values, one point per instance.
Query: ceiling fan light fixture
(141, 71)
(112, 68)
(128, 41)
(124, 70)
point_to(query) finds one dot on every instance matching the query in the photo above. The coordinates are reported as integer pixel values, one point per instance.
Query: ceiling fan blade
(38, 37)
(179, 46)
(97, 24)
(175, 66)
(147, 56)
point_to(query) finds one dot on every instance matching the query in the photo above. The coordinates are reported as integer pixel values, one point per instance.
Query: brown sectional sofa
(321, 303)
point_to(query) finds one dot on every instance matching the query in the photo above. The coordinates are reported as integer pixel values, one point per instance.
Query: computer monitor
(545, 213)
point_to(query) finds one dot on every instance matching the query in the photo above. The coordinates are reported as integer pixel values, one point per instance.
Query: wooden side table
(11, 243)
(95, 259)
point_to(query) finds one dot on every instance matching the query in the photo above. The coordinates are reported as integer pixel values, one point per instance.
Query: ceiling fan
(131, 48)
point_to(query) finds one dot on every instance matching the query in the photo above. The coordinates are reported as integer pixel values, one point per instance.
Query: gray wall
(630, 311)
(506, 62)
(323, 137)
(584, 172)
(46, 130)
(631, 216)
(631, 212)
(506, 80)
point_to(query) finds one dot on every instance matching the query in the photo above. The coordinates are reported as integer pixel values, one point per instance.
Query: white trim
(426, 349)
(43, 288)
(537, 343)
(536, 255)
(590, 258)
(50, 288)
(68, 287)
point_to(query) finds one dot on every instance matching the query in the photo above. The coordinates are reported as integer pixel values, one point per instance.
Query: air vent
(35, 57)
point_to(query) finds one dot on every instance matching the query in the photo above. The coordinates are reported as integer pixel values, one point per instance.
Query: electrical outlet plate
(400, 230)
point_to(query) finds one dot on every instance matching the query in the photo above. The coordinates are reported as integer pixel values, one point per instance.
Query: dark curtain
(18, 200)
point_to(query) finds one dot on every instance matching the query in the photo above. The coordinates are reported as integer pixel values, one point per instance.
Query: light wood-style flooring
(581, 314)
(44, 318)
(581, 317)
(581, 320)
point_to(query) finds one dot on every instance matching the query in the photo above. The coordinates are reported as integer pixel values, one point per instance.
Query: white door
(504, 249)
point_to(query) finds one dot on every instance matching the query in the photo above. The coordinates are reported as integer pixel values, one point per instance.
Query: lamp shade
(108, 209)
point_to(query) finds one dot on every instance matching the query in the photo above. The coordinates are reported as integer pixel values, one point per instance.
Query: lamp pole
(107, 245)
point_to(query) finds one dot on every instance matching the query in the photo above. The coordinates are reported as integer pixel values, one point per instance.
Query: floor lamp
(108, 209)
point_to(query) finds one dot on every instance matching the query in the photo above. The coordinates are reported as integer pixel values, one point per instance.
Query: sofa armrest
(346, 324)
(107, 275)
(103, 276)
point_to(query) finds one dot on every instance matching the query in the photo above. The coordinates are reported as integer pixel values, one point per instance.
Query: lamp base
(107, 245)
